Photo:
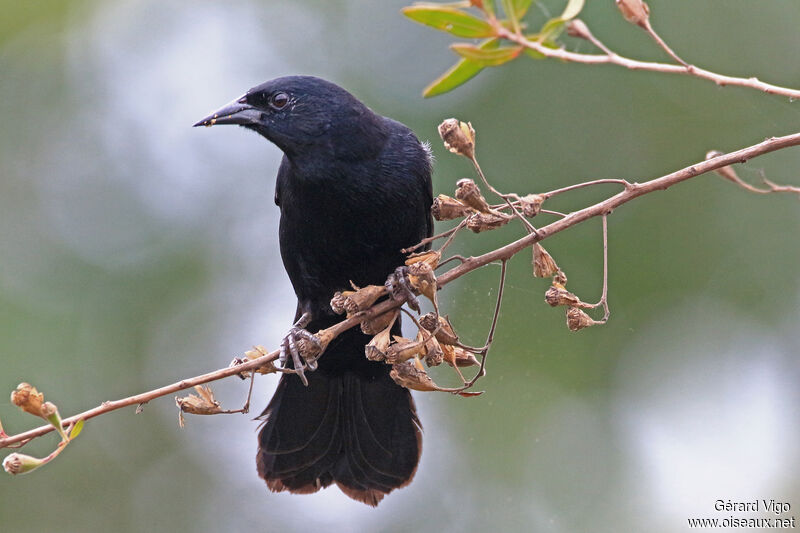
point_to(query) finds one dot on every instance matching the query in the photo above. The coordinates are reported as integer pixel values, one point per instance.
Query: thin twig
(490, 337)
(611, 58)
(471, 263)
(452, 236)
(657, 38)
(426, 240)
(528, 226)
(730, 174)
(550, 194)
(604, 297)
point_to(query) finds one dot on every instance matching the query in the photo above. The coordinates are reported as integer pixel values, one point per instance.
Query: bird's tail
(356, 428)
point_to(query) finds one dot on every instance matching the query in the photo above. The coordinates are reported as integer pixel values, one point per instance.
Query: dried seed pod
(470, 195)
(479, 222)
(203, 403)
(458, 137)
(531, 204)
(27, 398)
(464, 357)
(338, 301)
(635, 12)
(577, 319)
(411, 375)
(402, 350)
(431, 349)
(543, 264)
(446, 333)
(560, 278)
(458, 356)
(255, 353)
(363, 298)
(447, 208)
(375, 325)
(431, 257)
(422, 279)
(310, 351)
(375, 350)
(557, 295)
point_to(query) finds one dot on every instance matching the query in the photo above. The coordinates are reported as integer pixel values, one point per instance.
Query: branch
(613, 58)
(467, 265)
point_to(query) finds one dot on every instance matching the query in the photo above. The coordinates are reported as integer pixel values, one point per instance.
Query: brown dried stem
(604, 297)
(465, 266)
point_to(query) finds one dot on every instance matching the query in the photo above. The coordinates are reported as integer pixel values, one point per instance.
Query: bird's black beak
(236, 112)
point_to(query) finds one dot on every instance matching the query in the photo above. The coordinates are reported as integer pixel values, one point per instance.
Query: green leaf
(552, 29)
(458, 74)
(516, 9)
(449, 19)
(572, 10)
(76, 429)
(486, 58)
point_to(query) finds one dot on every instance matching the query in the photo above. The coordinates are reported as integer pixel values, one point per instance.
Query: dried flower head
(411, 375)
(27, 398)
(431, 349)
(362, 298)
(447, 208)
(259, 351)
(402, 350)
(311, 350)
(458, 137)
(374, 325)
(203, 403)
(543, 264)
(338, 300)
(531, 204)
(635, 12)
(445, 334)
(457, 356)
(422, 279)
(469, 194)
(375, 350)
(558, 295)
(577, 319)
(479, 222)
(431, 257)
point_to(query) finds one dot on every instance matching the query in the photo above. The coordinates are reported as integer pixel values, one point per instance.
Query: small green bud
(19, 463)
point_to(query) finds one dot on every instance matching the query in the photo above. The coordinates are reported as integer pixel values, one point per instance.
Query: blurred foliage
(135, 250)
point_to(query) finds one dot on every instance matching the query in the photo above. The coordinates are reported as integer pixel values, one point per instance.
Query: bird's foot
(401, 289)
(303, 347)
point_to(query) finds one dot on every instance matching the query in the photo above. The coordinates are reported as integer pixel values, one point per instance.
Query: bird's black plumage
(354, 188)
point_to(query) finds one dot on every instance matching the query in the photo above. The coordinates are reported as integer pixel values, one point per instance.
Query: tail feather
(359, 432)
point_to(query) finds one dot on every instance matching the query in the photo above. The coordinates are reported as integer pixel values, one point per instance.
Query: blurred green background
(135, 250)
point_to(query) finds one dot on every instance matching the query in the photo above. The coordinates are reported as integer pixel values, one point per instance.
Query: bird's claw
(304, 355)
(399, 286)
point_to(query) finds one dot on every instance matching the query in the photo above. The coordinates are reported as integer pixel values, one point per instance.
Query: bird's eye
(279, 100)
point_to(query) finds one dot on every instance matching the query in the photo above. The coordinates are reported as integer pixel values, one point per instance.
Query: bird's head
(301, 114)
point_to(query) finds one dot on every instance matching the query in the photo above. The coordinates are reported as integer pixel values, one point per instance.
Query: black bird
(354, 189)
